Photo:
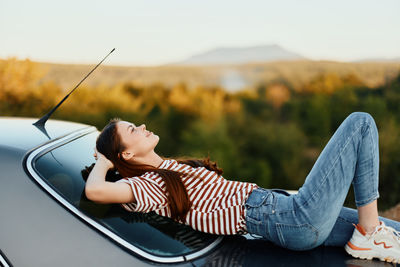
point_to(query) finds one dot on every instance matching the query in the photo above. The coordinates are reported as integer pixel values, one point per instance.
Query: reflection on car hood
(239, 251)
(20, 133)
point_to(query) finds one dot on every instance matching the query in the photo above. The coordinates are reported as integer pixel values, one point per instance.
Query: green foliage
(201, 139)
(389, 169)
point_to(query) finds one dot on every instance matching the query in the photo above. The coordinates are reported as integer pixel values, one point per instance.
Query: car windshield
(61, 168)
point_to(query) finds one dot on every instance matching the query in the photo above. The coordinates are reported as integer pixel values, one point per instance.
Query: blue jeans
(315, 215)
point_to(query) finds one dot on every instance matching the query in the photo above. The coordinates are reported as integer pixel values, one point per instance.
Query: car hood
(21, 134)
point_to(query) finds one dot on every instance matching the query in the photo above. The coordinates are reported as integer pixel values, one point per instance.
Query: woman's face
(138, 142)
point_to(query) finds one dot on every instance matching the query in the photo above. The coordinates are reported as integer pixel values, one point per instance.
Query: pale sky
(155, 32)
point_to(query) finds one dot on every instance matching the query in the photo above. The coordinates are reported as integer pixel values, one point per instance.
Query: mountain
(240, 55)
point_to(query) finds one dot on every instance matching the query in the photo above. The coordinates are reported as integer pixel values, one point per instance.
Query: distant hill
(396, 59)
(240, 55)
(232, 77)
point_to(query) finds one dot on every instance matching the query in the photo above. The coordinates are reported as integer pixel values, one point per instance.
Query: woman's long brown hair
(109, 144)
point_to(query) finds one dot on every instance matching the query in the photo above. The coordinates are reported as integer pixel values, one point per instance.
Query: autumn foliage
(270, 132)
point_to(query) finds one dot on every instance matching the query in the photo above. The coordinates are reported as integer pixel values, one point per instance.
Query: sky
(157, 32)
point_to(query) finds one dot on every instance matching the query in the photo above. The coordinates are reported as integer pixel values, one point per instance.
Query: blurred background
(259, 86)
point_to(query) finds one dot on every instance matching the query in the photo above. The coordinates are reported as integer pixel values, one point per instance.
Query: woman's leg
(351, 156)
(343, 228)
(368, 216)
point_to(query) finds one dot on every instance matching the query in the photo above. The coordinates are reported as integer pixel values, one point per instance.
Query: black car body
(46, 219)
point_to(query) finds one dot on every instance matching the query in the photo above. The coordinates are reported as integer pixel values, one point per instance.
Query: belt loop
(273, 201)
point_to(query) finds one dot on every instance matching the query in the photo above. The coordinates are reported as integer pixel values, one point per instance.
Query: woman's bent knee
(364, 120)
(360, 115)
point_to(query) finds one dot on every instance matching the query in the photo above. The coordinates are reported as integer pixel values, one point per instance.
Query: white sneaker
(383, 243)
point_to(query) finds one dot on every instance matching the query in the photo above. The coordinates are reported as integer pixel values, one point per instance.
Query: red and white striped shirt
(217, 203)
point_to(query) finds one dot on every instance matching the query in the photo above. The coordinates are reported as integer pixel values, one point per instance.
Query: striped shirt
(217, 203)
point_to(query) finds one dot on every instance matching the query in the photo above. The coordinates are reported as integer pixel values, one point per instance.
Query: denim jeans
(315, 215)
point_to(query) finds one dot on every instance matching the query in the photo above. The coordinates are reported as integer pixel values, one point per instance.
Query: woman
(194, 192)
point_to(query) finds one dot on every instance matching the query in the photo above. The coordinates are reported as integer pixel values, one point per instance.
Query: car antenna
(40, 124)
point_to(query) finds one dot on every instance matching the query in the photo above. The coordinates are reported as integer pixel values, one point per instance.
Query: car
(46, 219)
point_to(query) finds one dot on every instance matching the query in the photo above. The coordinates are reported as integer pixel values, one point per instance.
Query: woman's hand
(99, 190)
(102, 160)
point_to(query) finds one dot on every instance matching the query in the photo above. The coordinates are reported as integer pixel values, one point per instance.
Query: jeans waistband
(280, 191)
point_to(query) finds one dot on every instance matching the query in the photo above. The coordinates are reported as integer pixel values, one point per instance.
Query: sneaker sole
(366, 256)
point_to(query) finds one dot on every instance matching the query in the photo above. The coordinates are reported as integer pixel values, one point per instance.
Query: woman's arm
(99, 190)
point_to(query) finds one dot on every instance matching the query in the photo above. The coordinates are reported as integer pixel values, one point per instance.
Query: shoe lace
(387, 229)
